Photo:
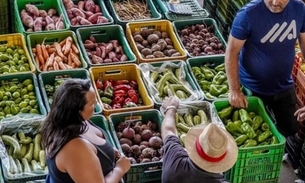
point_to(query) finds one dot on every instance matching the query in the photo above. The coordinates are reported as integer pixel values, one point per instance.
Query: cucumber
(19, 166)
(23, 150)
(182, 138)
(183, 127)
(21, 135)
(188, 118)
(203, 116)
(36, 166)
(13, 166)
(42, 158)
(26, 140)
(196, 120)
(8, 140)
(37, 147)
(26, 166)
(29, 154)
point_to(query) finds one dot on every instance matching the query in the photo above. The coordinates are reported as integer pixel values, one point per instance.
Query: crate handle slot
(113, 72)
(98, 32)
(50, 40)
(4, 42)
(38, 3)
(152, 171)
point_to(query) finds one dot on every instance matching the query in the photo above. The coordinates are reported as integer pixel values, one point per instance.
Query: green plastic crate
(154, 13)
(50, 38)
(50, 78)
(102, 122)
(211, 7)
(105, 34)
(181, 24)
(4, 15)
(104, 11)
(198, 11)
(188, 78)
(41, 5)
(213, 61)
(138, 173)
(251, 167)
(20, 77)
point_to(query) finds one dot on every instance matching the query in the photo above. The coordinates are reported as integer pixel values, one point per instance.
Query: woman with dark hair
(76, 149)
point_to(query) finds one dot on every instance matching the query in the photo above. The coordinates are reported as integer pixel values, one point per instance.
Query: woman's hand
(300, 114)
(117, 154)
(124, 163)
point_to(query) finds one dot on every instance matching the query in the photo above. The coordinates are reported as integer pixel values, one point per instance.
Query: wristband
(169, 107)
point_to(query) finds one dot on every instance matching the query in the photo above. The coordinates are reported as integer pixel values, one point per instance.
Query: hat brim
(225, 164)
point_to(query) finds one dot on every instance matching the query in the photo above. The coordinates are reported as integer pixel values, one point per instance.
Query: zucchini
(25, 165)
(196, 120)
(181, 94)
(19, 166)
(183, 127)
(29, 154)
(188, 118)
(203, 116)
(8, 140)
(182, 138)
(13, 166)
(37, 146)
(36, 166)
(42, 158)
(181, 120)
(23, 150)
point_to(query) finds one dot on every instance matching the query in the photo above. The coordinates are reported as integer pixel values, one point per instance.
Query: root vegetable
(138, 38)
(142, 147)
(38, 24)
(93, 18)
(146, 32)
(137, 139)
(90, 6)
(109, 48)
(145, 43)
(155, 142)
(77, 12)
(42, 13)
(168, 41)
(81, 5)
(123, 58)
(145, 143)
(150, 56)
(132, 10)
(128, 132)
(101, 20)
(140, 47)
(148, 153)
(176, 54)
(158, 54)
(156, 48)
(146, 51)
(164, 35)
(125, 148)
(32, 9)
(135, 149)
(26, 19)
(145, 160)
(52, 12)
(146, 135)
(125, 141)
(158, 33)
(97, 8)
(153, 38)
(132, 160)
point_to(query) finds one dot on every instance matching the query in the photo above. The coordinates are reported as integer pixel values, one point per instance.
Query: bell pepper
(209, 96)
(133, 84)
(244, 116)
(120, 93)
(258, 133)
(199, 76)
(116, 106)
(263, 143)
(265, 135)
(124, 87)
(99, 84)
(238, 123)
(108, 91)
(195, 69)
(118, 100)
(49, 89)
(100, 92)
(132, 94)
(241, 139)
(216, 90)
(226, 121)
(219, 78)
(220, 67)
(120, 82)
(204, 84)
(225, 112)
(233, 129)
(252, 114)
(248, 130)
(250, 143)
(127, 100)
(106, 106)
(265, 127)
(224, 95)
(235, 116)
(256, 122)
(106, 100)
(274, 140)
(130, 104)
(208, 74)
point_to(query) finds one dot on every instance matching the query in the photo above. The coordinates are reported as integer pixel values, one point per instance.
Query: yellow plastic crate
(118, 72)
(161, 25)
(18, 39)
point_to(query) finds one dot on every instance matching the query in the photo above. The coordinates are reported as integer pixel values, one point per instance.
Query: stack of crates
(4, 27)
(210, 6)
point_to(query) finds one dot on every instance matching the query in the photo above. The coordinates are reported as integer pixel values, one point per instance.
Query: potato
(164, 35)
(177, 54)
(168, 41)
(171, 51)
(158, 54)
(155, 48)
(153, 38)
(146, 32)
(140, 47)
(150, 56)
(138, 38)
(146, 52)
(157, 33)
(144, 43)
(162, 44)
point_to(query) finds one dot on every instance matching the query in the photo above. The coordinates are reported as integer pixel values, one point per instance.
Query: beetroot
(145, 143)
(148, 153)
(128, 132)
(125, 141)
(137, 139)
(125, 148)
(132, 160)
(155, 142)
(135, 149)
(146, 135)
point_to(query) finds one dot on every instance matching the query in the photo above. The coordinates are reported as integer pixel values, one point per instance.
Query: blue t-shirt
(267, 57)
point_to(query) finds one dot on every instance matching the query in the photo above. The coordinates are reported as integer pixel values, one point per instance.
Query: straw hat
(211, 148)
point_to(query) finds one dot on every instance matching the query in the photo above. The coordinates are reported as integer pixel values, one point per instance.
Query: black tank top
(107, 163)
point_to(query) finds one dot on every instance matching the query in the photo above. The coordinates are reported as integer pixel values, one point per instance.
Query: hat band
(203, 155)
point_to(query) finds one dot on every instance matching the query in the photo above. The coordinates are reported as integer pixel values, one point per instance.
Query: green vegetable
(235, 116)
(220, 67)
(244, 116)
(257, 121)
(37, 146)
(226, 112)
(203, 116)
(208, 73)
(241, 139)
(183, 127)
(196, 120)
(265, 127)
(265, 135)
(29, 154)
(224, 95)
(13, 167)
(42, 158)
(216, 90)
(188, 118)
(162, 83)
(106, 100)
(252, 114)
(26, 166)
(250, 143)
(233, 128)
(248, 130)
(204, 84)
(209, 96)
(219, 78)
(8, 140)
(274, 140)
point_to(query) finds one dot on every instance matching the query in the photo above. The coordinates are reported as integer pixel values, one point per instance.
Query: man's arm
(168, 125)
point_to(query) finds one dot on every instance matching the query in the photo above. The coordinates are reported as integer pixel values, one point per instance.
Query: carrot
(37, 62)
(69, 59)
(51, 68)
(58, 59)
(75, 59)
(34, 50)
(62, 43)
(44, 52)
(49, 62)
(62, 66)
(73, 65)
(68, 66)
(63, 48)
(51, 50)
(74, 49)
(58, 50)
(39, 54)
(68, 45)
(55, 65)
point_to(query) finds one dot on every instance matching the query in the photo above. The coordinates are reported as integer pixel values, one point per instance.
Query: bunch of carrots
(58, 56)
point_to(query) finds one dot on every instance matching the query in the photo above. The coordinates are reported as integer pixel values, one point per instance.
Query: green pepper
(258, 133)
(235, 116)
(238, 123)
(225, 82)
(195, 69)
(204, 84)
(106, 100)
(263, 143)
(250, 143)
(265, 127)
(198, 75)
(252, 114)
(219, 78)
(233, 128)
(244, 116)
(256, 122)
(274, 140)
(108, 91)
(209, 75)
(224, 95)
(209, 96)
(220, 67)
(248, 130)
(241, 139)
(265, 135)
(216, 90)
(225, 112)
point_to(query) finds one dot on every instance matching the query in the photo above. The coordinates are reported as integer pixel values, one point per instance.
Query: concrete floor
(287, 174)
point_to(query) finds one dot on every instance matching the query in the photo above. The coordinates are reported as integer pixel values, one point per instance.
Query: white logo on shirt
(278, 31)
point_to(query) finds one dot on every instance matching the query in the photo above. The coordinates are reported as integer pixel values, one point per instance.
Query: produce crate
(41, 5)
(198, 11)
(143, 172)
(298, 77)
(45, 78)
(104, 11)
(50, 38)
(101, 122)
(161, 25)
(211, 7)
(119, 72)
(157, 66)
(181, 24)
(4, 23)
(255, 167)
(154, 13)
(20, 77)
(211, 62)
(18, 39)
(29, 125)
(105, 34)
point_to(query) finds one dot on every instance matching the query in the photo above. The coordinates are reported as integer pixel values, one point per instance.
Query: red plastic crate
(298, 77)
(297, 64)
